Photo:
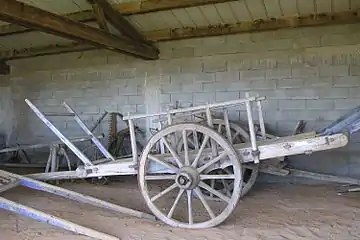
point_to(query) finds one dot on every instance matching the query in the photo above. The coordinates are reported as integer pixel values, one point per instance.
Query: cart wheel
(183, 178)
(238, 135)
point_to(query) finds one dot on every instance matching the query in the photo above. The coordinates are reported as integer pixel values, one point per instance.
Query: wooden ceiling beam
(116, 19)
(346, 17)
(126, 9)
(35, 18)
(99, 16)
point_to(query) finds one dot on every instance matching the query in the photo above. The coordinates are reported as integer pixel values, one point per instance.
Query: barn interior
(108, 60)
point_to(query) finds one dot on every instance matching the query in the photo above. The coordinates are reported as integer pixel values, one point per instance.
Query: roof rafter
(346, 17)
(32, 17)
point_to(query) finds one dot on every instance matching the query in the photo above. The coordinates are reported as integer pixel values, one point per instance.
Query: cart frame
(217, 152)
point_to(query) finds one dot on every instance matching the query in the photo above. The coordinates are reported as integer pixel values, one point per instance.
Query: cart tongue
(349, 123)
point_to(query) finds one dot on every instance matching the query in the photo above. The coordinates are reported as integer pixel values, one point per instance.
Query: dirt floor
(267, 212)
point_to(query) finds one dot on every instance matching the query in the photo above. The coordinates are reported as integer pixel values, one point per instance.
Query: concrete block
(109, 91)
(181, 97)
(193, 87)
(130, 88)
(192, 66)
(165, 98)
(89, 92)
(183, 52)
(112, 106)
(288, 33)
(278, 73)
(124, 73)
(70, 93)
(90, 109)
(127, 108)
(333, 71)
(59, 76)
(339, 39)
(290, 83)
(262, 84)
(204, 77)
(182, 78)
(171, 88)
(354, 70)
(306, 115)
(286, 127)
(341, 59)
(346, 103)
(306, 42)
(354, 92)
(258, 74)
(226, 96)
(140, 108)
(333, 93)
(270, 105)
(305, 72)
(47, 102)
(238, 64)
(291, 104)
(353, 81)
(136, 99)
(298, 94)
(43, 94)
(214, 65)
(171, 66)
(260, 63)
(203, 98)
(216, 40)
(215, 86)
(225, 77)
(280, 44)
(323, 82)
(238, 38)
(83, 76)
(320, 104)
(263, 36)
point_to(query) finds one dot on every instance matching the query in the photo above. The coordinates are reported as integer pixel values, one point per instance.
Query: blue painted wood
(348, 123)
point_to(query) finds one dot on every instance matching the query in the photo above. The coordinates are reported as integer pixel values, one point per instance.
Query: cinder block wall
(307, 74)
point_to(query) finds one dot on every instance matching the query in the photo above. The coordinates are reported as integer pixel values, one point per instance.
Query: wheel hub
(187, 178)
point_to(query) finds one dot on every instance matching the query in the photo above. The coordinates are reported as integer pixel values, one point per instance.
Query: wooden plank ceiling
(163, 20)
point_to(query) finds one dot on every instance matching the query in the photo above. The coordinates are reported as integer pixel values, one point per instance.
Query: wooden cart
(201, 167)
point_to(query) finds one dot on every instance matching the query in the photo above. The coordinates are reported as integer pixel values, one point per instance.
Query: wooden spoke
(160, 177)
(189, 200)
(226, 187)
(186, 148)
(217, 176)
(235, 135)
(173, 152)
(191, 142)
(204, 202)
(212, 185)
(219, 128)
(167, 190)
(213, 191)
(165, 164)
(211, 162)
(176, 202)
(196, 140)
(203, 145)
